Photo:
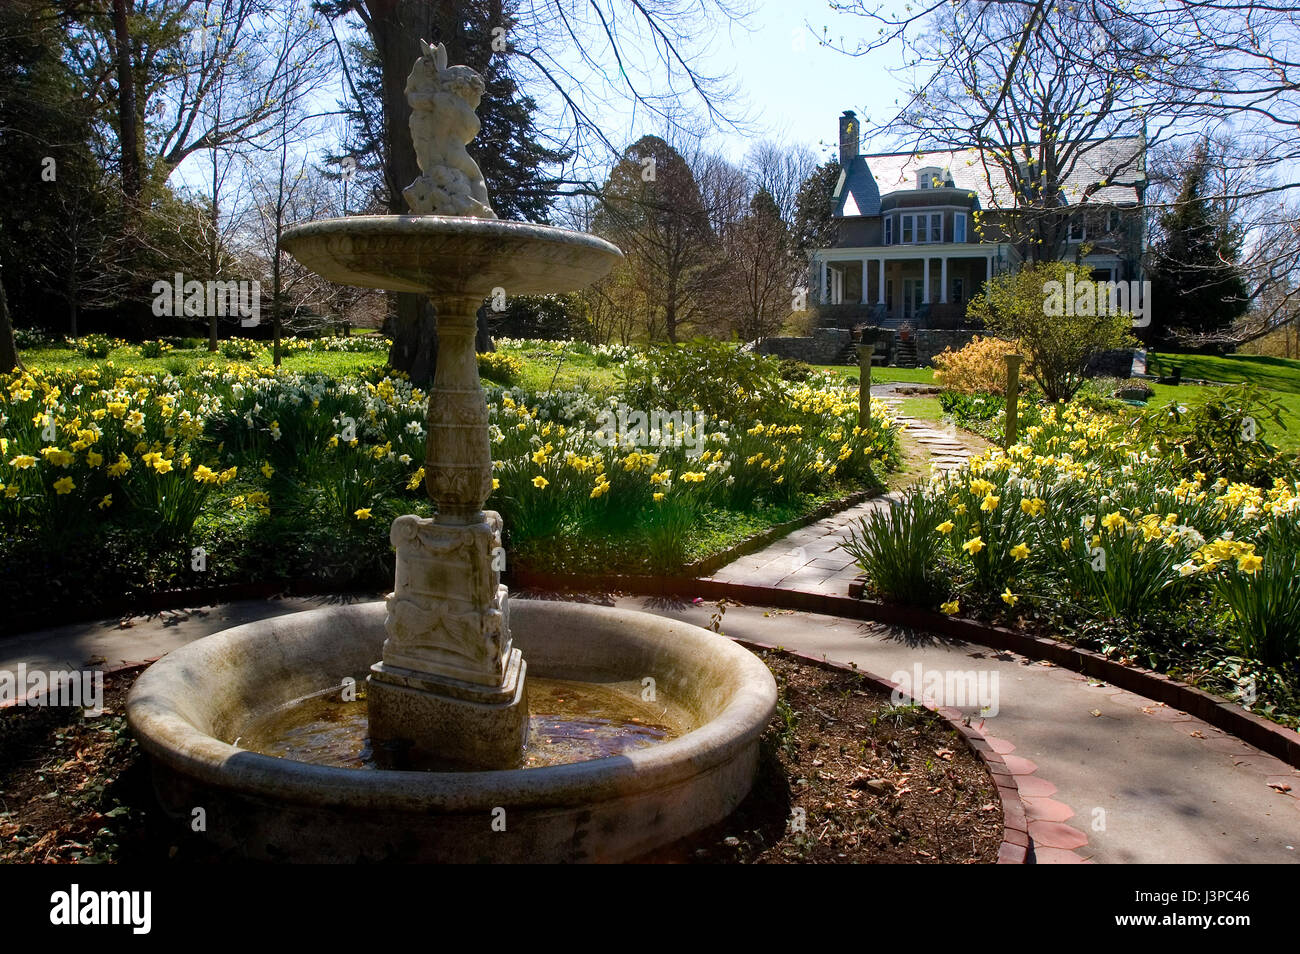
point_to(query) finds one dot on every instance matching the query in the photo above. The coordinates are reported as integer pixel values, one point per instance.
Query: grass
(1279, 375)
(337, 363)
(575, 371)
(881, 375)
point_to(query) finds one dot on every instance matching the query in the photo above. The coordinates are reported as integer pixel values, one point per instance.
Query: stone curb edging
(159, 600)
(1255, 730)
(1014, 849)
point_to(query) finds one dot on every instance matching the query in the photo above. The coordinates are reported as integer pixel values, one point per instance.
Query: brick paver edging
(1014, 849)
(1268, 736)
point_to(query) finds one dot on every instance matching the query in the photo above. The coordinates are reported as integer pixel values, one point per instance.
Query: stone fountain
(447, 702)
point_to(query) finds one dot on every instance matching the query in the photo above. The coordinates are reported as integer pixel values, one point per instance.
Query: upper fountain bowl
(450, 255)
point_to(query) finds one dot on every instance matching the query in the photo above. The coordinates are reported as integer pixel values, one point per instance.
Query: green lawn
(881, 375)
(1280, 374)
(338, 363)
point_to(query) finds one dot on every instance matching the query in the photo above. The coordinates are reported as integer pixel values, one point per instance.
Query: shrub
(978, 367)
(714, 376)
(1020, 306)
(1222, 436)
(500, 367)
(240, 349)
(154, 349)
(898, 548)
(95, 346)
(792, 369)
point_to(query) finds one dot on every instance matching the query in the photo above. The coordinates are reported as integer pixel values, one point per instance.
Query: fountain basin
(450, 255)
(185, 707)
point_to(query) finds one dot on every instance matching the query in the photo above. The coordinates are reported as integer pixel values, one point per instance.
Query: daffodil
(945, 527)
(362, 514)
(1020, 551)
(540, 482)
(974, 545)
(948, 608)
(64, 485)
(1009, 598)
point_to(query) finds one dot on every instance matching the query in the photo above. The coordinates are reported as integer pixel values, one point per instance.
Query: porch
(889, 287)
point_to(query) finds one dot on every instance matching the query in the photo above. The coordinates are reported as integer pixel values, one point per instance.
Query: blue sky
(794, 88)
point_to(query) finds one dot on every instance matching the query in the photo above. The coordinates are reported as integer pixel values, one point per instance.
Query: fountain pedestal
(449, 692)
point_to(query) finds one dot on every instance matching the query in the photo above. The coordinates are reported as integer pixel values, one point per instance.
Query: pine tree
(813, 225)
(1197, 288)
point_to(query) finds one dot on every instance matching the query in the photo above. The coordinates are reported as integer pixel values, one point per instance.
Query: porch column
(880, 289)
(943, 280)
(826, 288)
(866, 272)
(988, 268)
(925, 281)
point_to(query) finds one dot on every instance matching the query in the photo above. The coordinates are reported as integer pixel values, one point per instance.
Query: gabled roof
(1120, 162)
(856, 193)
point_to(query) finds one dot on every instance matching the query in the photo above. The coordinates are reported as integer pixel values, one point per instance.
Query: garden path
(1135, 780)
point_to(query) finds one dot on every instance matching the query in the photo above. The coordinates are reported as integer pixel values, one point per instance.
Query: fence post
(864, 385)
(1013, 397)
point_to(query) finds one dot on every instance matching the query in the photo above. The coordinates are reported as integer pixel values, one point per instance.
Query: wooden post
(864, 385)
(1013, 397)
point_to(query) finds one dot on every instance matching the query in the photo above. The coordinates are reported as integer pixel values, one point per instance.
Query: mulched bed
(875, 783)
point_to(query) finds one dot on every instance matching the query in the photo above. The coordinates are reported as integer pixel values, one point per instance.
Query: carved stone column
(450, 690)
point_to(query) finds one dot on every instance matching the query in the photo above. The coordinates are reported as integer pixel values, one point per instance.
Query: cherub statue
(443, 121)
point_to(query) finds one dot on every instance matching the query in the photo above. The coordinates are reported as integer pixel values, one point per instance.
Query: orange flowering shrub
(980, 366)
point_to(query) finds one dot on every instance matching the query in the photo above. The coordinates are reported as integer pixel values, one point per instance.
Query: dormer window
(931, 177)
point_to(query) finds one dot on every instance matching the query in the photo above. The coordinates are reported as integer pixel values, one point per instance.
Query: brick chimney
(848, 136)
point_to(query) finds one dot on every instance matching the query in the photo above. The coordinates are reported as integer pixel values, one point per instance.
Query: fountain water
(449, 695)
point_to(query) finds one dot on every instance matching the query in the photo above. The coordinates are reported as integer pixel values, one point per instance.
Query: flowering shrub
(978, 367)
(500, 367)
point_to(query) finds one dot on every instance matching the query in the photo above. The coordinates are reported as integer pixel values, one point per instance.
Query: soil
(847, 777)
(844, 777)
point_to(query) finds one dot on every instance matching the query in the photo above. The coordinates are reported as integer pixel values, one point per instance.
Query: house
(920, 232)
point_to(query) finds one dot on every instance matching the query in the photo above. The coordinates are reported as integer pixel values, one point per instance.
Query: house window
(959, 227)
(907, 230)
(958, 290)
(936, 227)
(1112, 220)
(1078, 230)
(889, 294)
(922, 228)
(889, 230)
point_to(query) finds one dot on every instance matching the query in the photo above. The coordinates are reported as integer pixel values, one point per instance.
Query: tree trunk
(397, 27)
(126, 114)
(9, 360)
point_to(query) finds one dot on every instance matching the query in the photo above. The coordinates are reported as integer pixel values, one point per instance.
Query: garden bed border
(1276, 740)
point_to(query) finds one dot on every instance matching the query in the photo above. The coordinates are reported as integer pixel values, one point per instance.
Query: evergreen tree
(813, 225)
(1197, 288)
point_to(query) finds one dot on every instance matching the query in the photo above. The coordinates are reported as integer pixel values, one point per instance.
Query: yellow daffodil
(362, 514)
